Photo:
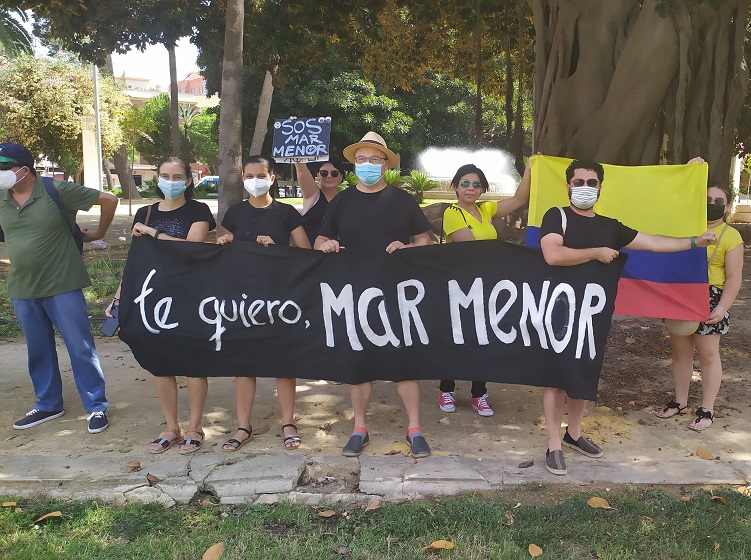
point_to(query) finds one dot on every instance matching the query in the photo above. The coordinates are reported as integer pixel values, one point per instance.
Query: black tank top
(313, 218)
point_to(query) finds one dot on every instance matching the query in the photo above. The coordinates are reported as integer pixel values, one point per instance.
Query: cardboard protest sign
(301, 140)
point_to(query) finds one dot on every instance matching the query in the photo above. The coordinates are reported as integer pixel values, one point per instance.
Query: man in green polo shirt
(45, 283)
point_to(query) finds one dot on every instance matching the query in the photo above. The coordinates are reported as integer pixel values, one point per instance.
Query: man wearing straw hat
(377, 216)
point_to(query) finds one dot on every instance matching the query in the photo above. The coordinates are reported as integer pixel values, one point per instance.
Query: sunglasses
(475, 185)
(716, 201)
(7, 165)
(588, 182)
(326, 173)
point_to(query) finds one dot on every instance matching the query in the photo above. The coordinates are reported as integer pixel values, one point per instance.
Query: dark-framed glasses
(372, 159)
(7, 165)
(716, 201)
(588, 182)
(474, 184)
(326, 173)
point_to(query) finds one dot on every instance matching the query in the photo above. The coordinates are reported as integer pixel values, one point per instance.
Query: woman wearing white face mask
(263, 220)
(178, 218)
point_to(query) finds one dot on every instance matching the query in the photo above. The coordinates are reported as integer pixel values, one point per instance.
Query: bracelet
(157, 232)
(115, 302)
(693, 242)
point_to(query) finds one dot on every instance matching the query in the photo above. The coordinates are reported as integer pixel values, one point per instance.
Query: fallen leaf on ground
(49, 516)
(152, 479)
(600, 503)
(717, 546)
(326, 427)
(646, 389)
(326, 513)
(518, 505)
(719, 499)
(508, 518)
(392, 452)
(526, 464)
(260, 430)
(705, 454)
(343, 550)
(534, 550)
(9, 504)
(373, 504)
(603, 408)
(719, 414)
(630, 340)
(730, 450)
(743, 490)
(133, 466)
(438, 545)
(214, 552)
(685, 498)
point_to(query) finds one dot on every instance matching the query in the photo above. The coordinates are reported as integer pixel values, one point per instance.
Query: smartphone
(111, 324)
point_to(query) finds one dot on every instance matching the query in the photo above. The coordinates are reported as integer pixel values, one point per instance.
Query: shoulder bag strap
(148, 213)
(564, 220)
(49, 186)
(717, 245)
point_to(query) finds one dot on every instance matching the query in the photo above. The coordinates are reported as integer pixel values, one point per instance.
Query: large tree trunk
(262, 117)
(620, 83)
(230, 110)
(123, 169)
(174, 115)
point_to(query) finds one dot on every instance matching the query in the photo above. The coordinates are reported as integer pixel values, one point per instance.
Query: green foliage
(153, 126)
(14, 40)
(417, 183)
(204, 136)
(43, 101)
(394, 177)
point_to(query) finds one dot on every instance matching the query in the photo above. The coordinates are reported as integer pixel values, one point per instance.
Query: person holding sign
(176, 217)
(576, 235)
(377, 216)
(470, 220)
(263, 220)
(316, 198)
(725, 277)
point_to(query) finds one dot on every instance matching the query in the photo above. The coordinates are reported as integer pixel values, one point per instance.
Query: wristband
(158, 231)
(693, 242)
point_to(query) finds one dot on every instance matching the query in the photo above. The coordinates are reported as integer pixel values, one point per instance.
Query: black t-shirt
(313, 218)
(585, 233)
(247, 222)
(373, 220)
(177, 222)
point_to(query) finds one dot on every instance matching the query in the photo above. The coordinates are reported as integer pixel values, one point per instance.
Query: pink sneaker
(481, 405)
(446, 402)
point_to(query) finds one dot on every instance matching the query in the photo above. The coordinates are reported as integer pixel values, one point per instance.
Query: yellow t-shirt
(454, 219)
(730, 240)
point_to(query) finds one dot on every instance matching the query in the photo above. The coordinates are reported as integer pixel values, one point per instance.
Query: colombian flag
(657, 199)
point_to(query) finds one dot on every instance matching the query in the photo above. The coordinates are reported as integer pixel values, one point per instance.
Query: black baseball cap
(15, 153)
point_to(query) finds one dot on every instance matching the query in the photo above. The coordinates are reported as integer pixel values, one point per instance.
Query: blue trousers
(67, 313)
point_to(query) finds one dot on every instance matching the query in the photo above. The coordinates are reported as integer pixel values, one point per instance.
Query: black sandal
(289, 440)
(672, 405)
(701, 414)
(232, 445)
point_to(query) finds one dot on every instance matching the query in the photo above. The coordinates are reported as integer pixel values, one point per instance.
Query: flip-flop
(232, 445)
(165, 443)
(190, 441)
(290, 440)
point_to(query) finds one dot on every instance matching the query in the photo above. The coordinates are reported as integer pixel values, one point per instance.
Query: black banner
(301, 140)
(485, 310)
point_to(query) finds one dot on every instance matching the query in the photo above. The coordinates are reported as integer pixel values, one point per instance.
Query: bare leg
(285, 391)
(245, 393)
(682, 365)
(198, 388)
(166, 391)
(576, 408)
(708, 348)
(409, 391)
(552, 405)
(360, 397)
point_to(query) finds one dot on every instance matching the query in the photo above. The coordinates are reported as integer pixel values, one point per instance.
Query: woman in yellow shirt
(470, 220)
(725, 271)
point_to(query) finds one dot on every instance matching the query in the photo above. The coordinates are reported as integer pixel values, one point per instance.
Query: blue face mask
(171, 189)
(368, 173)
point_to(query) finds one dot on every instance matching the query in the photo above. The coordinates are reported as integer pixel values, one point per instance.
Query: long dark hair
(189, 191)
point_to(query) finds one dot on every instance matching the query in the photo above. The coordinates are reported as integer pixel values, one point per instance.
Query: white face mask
(257, 187)
(584, 197)
(8, 179)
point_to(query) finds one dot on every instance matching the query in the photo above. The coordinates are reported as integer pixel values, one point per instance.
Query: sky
(153, 63)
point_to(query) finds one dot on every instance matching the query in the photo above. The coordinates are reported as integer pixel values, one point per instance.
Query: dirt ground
(635, 381)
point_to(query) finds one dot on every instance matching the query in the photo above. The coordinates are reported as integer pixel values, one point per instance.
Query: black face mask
(714, 212)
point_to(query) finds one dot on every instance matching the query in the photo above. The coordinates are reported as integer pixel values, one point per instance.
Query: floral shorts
(723, 326)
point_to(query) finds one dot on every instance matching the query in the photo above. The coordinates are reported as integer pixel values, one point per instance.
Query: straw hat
(372, 140)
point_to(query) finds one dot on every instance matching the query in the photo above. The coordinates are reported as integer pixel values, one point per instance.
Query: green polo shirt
(44, 259)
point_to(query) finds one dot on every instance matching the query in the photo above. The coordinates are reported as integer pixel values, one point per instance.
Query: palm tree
(14, 39)
(186, 113)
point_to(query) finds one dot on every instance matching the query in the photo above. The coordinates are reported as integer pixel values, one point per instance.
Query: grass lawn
(645, 524)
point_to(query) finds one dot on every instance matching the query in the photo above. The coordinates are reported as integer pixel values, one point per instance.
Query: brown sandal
(196, 443)
(165, 443)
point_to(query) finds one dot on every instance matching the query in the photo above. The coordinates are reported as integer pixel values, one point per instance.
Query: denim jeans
(67, 312)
